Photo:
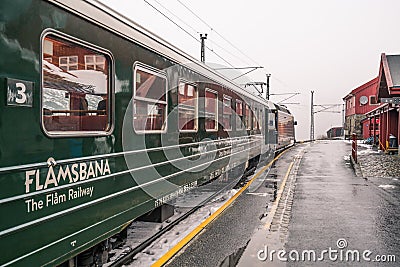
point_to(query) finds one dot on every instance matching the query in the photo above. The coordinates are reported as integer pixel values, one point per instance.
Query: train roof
(281, 108)
(110, 19)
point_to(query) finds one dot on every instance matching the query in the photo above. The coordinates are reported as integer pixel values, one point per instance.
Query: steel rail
(128, 258)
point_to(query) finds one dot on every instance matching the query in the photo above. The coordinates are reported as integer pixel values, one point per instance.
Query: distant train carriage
(102, 122)
(284, 126)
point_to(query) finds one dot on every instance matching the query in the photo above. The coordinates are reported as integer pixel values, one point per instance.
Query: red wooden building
(359, 102)
(370, 127)
(334, 132)
(388, 89)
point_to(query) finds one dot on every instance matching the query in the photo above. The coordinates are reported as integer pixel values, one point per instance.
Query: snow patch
(387, 186)
(139, 231)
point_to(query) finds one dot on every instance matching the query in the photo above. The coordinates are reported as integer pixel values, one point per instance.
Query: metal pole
(268, 75)
(202, 51)
(312, 117)
(343, 121)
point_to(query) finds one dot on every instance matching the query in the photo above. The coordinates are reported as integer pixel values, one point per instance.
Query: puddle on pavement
(233, 259)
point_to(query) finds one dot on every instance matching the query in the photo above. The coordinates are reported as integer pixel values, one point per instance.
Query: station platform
(327, 216)
(224, 240)
(320, 206)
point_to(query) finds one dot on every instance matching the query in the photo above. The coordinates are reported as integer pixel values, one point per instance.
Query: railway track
(127, 257)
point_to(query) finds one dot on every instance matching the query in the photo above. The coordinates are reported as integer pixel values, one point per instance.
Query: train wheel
(96, 256)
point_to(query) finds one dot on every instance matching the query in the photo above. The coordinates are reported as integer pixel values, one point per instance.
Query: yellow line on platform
(167, 256)
(278, 197)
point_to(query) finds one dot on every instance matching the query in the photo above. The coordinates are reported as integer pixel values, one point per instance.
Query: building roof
(360, 88)
(337, 127)
(394, 67)
(377, 110)
(389, 76)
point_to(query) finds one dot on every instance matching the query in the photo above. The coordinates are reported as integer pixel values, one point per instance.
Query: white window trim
(370, 102)
(238, 116)
(68, 64)
(248, 127)
(150, 70)
(216, 110)
(196, 109)
(95, 63)
(231, 123)
(255, 118)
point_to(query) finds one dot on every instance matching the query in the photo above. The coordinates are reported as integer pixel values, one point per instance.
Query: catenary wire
(173, 14)
(212, 29)
(196, 31)
(180, 27)
(230, 43)
(222, 37)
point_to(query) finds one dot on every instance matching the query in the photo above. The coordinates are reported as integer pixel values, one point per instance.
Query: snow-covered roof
(78, 81)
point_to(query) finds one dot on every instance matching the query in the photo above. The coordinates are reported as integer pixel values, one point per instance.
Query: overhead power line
(229, 42)
(291, 95)
(252, 69)
(220, 35)
(171, 20)
(210, 40)
(173, 14)
(197, 32)
(180, 27)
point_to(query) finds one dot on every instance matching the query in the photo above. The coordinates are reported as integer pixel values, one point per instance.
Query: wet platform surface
(337, 218)
(224, 239)
(335, 209)
(326, 217)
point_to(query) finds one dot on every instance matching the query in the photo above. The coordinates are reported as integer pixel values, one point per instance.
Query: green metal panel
(52, 212)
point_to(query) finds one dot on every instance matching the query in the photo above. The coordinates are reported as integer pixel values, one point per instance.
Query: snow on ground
(171, 238)
(378, 167)
(387, 186)
(140, 231)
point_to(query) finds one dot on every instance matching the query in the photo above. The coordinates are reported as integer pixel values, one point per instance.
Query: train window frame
(206, 112)
(255, 120)
(196, 106)
(239, 116)
(161, 74)
(247, 117)
(110, 104)
(372, 101)
(226, 97)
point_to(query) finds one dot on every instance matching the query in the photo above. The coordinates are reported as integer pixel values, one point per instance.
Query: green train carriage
(99, 120)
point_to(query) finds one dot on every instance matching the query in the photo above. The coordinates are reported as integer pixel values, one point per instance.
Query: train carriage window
(211, 110)
(227, 113)
(187, 107)
(239, 113)
(74, 100)
(150, 100)
(247, 115)
(255, 121)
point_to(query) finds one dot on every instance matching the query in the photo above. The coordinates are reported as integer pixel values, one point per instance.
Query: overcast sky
(330, 47)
